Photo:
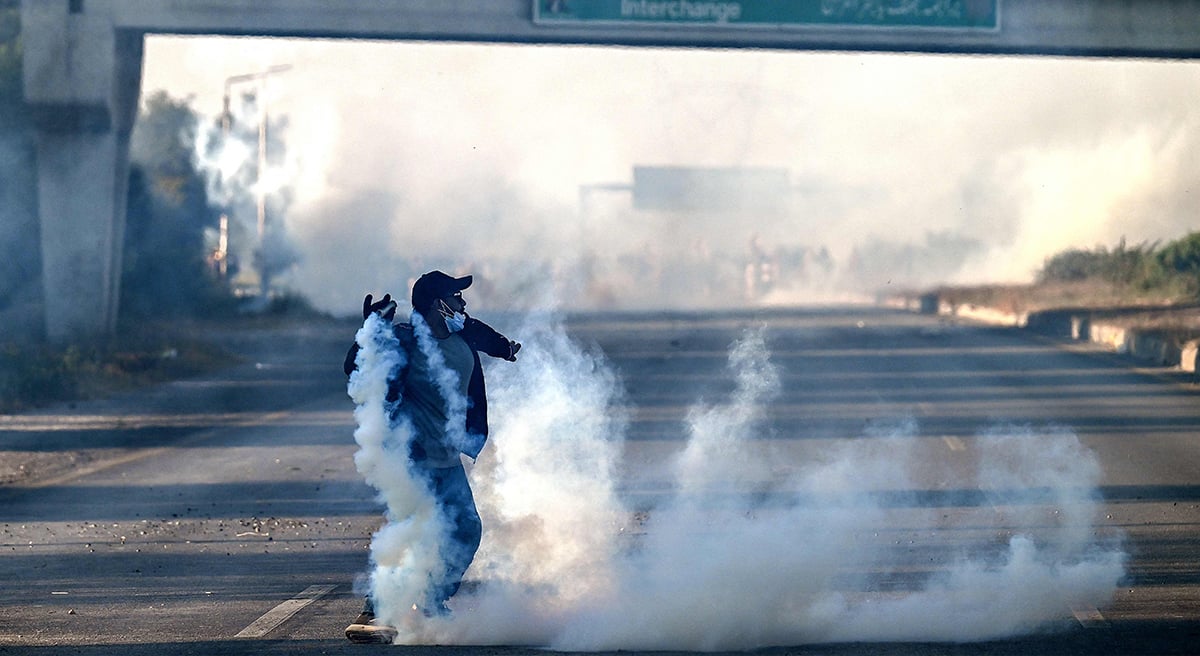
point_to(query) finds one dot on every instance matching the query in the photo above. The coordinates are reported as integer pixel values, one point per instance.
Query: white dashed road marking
(280, 614)
(954, 443)
(1090, 618)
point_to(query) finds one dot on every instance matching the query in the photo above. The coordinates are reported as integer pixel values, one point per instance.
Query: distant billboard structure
(710, 189)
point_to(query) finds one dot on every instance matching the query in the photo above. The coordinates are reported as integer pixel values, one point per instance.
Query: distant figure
(441, 347)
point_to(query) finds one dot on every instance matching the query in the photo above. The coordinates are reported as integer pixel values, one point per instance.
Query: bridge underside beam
(1100, 28)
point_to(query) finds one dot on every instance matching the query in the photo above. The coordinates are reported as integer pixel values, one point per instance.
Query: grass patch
(33, 375)
(143, 352)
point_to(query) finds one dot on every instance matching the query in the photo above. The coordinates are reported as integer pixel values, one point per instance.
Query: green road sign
(944, 14)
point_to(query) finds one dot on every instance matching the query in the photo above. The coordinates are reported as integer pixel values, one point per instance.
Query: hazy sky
(408, 156)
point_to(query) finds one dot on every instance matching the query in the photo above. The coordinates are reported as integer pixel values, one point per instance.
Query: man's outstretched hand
(513, 349)
(386, 307)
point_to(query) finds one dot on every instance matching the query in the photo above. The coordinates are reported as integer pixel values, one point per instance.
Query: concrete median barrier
(1173, 346)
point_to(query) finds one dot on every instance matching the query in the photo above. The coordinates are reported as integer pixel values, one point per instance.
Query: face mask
(455, 321)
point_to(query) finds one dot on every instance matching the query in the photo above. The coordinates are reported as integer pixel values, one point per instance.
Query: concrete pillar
(76, 202)
(82, 79)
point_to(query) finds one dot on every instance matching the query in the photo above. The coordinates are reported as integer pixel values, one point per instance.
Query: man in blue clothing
(441, 393)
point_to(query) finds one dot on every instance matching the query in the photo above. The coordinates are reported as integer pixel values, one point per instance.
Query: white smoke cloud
(1041, 489)
(745, 550)
(476, 155)
(405, 549)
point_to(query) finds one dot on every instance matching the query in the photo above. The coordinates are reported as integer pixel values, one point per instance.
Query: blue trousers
(452, 492)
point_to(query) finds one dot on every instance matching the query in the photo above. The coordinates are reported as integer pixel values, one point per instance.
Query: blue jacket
(481, 338)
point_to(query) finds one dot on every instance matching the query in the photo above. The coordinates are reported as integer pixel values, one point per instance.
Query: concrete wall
(1109, 328)
(20, 261)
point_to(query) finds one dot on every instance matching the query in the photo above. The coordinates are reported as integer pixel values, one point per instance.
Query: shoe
(364, 630)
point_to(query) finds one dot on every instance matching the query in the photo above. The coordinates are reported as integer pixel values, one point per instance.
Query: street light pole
(226, 126)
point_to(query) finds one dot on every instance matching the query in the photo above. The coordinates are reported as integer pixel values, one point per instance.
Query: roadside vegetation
(33, 375)
(142, 352)
(1167, 272)
(1147, 275)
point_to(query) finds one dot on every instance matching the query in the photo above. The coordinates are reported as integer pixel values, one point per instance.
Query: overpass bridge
(83, 62)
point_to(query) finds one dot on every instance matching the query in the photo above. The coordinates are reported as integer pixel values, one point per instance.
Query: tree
(165, 270)
(1182, 255)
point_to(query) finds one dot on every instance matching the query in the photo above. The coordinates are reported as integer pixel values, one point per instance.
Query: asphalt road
(224, 515)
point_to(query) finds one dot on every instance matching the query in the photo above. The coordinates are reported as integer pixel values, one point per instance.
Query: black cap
(434, 285)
